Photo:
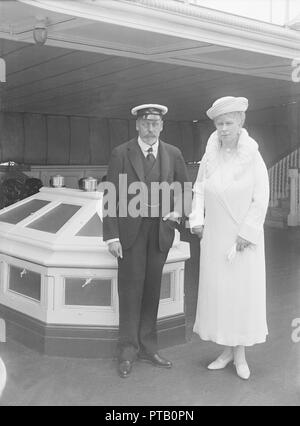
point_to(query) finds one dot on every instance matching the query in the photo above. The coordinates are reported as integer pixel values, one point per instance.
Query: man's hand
(198, 230)
(241, 244)
(172, 216)
(115, 249)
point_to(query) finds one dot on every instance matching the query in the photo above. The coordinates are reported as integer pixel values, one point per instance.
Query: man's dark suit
(145, 243)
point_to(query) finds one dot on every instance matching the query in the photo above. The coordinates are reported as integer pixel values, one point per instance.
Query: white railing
(279, 176)
(293, 218)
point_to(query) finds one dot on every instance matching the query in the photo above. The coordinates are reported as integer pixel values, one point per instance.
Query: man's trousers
(139, 284)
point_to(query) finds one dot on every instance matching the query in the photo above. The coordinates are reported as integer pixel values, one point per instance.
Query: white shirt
(144, 147)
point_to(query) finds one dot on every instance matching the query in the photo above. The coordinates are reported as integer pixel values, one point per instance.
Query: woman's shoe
(242, 370)
(220, 363)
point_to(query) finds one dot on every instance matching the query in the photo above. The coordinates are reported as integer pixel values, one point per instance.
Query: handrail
(282, 156)
(279, 176)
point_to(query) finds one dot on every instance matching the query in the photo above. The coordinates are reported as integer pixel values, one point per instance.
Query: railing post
(298, 197)
(275, 200)
(293, 217)
(271, 186)
(2, 331)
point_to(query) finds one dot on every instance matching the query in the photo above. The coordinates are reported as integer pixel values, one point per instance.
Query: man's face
(149, 130)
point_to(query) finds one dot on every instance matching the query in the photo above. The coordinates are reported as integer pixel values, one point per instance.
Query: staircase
(277, 217)
(281, 175)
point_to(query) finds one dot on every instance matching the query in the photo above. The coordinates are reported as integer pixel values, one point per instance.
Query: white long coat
(231, 196)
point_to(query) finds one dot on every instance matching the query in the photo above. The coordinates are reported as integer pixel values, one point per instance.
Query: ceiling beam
(185, 21)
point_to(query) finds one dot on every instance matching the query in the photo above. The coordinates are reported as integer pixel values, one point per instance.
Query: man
(141, 241)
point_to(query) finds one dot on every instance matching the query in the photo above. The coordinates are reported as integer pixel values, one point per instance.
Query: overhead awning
(101, 57)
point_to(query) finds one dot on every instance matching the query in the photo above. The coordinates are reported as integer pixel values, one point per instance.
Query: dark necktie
(150, 156)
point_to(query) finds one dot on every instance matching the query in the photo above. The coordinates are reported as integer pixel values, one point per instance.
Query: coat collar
(246, 150)
(164, 161)
(134, 153)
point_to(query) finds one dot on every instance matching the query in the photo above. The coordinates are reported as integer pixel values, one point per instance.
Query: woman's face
(228, 127)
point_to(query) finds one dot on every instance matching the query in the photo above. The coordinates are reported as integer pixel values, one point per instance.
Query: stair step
(285, 203)
(274, 212)
(278, 217)
(276, 223)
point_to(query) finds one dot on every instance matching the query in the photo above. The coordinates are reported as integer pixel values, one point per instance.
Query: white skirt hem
(233, 342)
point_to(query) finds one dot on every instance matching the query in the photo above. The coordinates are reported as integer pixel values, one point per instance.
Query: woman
(231, 195)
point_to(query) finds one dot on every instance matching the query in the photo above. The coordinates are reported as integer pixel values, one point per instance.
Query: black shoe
(155, 359)
(124, 368)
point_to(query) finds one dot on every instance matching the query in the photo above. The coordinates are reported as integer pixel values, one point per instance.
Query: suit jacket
(126, 159)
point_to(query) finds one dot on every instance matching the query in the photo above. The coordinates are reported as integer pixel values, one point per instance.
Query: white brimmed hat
(227, 104)
(147, 110)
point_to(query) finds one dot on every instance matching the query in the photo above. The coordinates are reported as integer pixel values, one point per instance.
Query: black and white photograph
(149, 205)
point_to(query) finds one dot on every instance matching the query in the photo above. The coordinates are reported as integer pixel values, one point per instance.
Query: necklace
(232, 148)
(229, 150)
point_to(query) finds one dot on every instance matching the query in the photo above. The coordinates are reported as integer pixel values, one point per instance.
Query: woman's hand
(198, 230)
(241, 244)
